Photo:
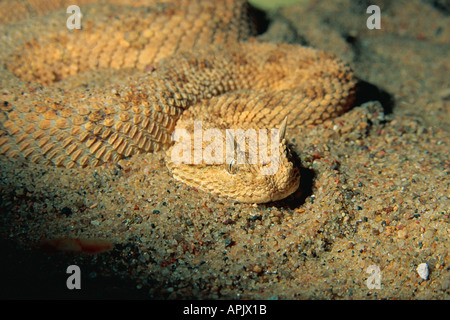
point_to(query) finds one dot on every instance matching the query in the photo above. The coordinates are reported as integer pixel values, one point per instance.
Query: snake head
(251, 172)
(257, 183)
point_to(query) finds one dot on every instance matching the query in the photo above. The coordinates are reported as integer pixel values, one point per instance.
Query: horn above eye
(283, 129)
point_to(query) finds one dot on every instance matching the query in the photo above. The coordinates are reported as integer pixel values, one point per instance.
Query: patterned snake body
(200, 66)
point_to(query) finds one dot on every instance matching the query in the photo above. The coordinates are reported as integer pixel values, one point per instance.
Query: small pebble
(422, 270)
(257, 269)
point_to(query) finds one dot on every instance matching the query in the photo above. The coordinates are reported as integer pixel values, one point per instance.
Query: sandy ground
(374, 196)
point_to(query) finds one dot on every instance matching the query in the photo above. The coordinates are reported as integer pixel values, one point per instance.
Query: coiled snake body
(195, 64)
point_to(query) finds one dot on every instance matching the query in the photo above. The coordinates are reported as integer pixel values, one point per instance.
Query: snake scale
(189, 61)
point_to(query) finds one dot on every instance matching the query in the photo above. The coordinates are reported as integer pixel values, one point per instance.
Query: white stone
(422, 270)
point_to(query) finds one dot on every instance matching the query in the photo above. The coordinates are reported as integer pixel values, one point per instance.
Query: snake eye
(231, 169)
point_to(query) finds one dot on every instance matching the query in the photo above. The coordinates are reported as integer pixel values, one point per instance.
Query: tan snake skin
(186, 58)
